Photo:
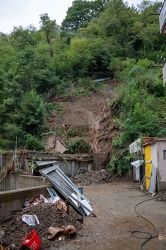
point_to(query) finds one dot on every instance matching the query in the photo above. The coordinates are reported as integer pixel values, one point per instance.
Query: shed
(137, 168)
(155, 164)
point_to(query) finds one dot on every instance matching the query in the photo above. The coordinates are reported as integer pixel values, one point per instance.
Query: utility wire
(148, 236)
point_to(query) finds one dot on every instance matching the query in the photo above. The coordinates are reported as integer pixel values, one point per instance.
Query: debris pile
(92, 177)
(52, 221)
(13, 229)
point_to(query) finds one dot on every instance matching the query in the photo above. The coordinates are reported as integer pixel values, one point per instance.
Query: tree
(49, 27)
(80, 56)
(23, 37)
(32, 114)
(81, 13)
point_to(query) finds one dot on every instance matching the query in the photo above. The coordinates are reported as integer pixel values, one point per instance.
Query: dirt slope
(90, 118)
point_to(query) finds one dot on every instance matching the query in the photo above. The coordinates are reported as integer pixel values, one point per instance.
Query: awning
(137, 163)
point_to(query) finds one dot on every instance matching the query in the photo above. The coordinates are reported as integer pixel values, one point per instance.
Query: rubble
(92, 177)
(13, 229)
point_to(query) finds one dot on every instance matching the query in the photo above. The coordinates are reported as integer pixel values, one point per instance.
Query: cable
(149, 235)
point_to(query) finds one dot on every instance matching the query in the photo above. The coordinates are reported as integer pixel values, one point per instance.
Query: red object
(32, 240)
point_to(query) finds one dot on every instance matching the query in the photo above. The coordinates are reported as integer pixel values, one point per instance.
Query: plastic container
(80, 190)
(32, 241)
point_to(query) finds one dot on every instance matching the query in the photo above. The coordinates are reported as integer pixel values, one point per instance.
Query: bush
(157, 89)
(119, 164)
(79, 146)
(7, 144)
(33, 143)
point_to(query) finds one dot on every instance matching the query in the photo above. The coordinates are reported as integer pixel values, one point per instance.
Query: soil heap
(13, 230)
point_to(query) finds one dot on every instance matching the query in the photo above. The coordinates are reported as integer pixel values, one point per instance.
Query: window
(164, 154)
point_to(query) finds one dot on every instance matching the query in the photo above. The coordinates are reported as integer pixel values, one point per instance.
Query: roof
(154, 140)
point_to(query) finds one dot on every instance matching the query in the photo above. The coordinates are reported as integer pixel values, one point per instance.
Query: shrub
(79, 146)
(33, 143)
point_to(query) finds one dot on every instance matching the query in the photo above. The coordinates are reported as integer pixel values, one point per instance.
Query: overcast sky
(26, 12)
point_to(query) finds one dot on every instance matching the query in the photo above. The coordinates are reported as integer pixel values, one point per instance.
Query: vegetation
(79, 146)
(101, 38)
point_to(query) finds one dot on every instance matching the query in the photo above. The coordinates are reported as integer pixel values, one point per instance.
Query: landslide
(88, 118)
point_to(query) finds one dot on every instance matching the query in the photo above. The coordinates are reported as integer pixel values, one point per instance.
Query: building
(154, 152)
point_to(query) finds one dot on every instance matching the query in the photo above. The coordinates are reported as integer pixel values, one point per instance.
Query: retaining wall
(11, 201)
(17, 181)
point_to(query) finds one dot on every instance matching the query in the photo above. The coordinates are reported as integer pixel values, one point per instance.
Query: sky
(26, 12)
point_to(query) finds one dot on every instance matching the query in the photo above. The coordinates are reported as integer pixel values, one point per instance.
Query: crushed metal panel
(44, 163)
(64, 186)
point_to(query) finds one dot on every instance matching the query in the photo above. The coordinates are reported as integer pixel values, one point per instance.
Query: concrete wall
(17, 181)
(161, 161)
(11, 201)
(161, 145)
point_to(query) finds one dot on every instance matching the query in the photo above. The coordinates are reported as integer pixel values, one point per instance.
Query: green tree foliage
(32, 114)
(79, 146)
(33, 143)
(49, 27)
(98, 38)
(81, 13)
(23, 37)
(140, 113)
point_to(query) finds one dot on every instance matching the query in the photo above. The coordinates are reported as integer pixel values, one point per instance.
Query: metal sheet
(44, 163)
(64, 186)
(152, 188)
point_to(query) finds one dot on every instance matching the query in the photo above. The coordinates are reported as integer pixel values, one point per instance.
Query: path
(114, 204)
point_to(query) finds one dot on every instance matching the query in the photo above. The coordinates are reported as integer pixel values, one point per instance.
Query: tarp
(135, 146)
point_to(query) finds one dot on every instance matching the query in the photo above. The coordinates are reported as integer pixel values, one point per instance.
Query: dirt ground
(114, 206)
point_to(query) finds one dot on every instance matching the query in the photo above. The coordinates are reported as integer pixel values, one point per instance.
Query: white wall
(161, 161)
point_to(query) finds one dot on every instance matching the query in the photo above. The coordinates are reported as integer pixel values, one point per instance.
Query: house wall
(161, 145)
(154, 153)
(148, 165)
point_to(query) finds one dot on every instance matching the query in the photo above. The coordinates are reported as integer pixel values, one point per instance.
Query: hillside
(88, 118)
